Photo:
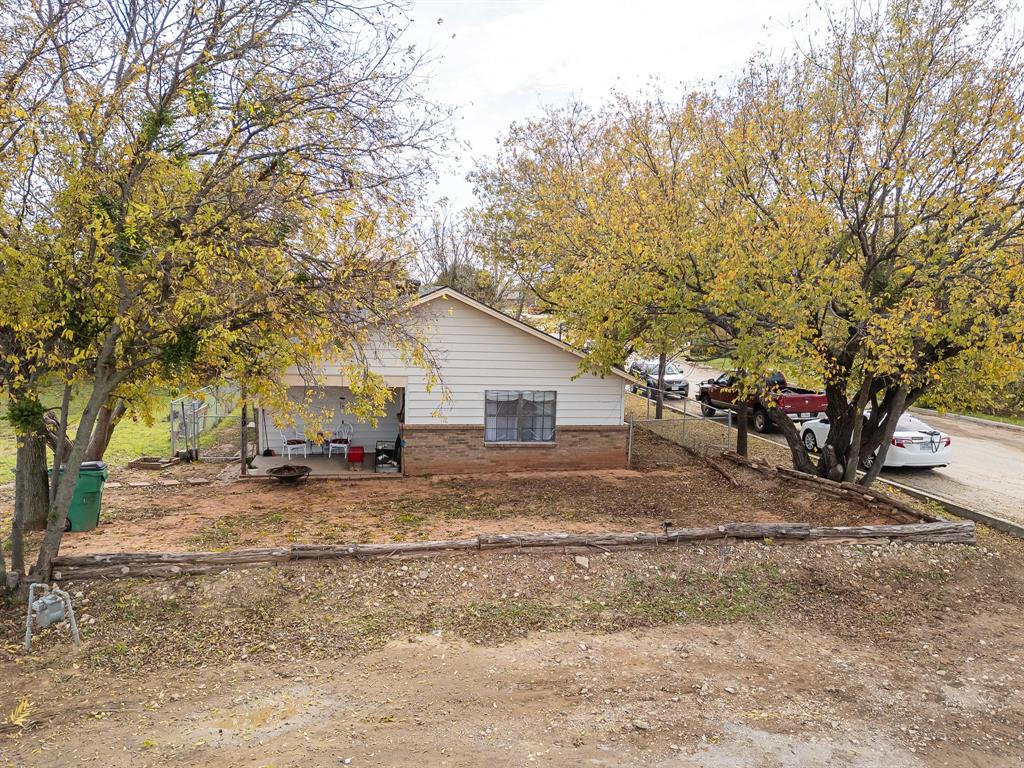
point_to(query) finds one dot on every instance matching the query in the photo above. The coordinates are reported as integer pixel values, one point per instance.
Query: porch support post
(257, 435)
(244, 442)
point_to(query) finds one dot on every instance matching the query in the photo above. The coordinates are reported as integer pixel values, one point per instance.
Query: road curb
(972, 419)
(992, 521)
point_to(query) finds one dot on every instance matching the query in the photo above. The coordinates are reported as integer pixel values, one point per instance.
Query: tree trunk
(32, 481)
(60, 449)
(31, 495)
(108, 418)
(852, 457)
(742, 415)
(52, 424)
(892, 417)
(659, 402)
(830, 466)
(58, 513)
(801, 460)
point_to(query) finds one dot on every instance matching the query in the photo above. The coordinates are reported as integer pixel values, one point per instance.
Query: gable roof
(447, 292)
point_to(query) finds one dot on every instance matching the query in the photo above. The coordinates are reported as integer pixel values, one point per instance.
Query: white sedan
(914, 443)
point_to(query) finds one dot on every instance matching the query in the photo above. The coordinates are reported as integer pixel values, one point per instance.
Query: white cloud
(502, 61)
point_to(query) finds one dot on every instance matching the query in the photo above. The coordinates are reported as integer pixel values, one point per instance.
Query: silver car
(676, 384)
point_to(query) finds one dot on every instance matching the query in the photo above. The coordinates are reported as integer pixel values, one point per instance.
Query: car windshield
(671, 370)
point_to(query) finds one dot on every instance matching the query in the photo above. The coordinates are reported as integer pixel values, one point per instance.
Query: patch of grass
(649, 601)
(226, 433)
(488, 621)
(415, 512)
(1018, 420)
(410, 519)
(903, 576)
(223, 534)
(372, 629)
(110, 654)
(721, 363)
(771, 570)
(132, 438)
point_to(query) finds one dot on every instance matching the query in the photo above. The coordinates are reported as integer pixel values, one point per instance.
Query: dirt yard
(668, 484)
(750, 654)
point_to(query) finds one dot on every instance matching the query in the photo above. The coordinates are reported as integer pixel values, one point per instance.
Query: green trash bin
(84, 513)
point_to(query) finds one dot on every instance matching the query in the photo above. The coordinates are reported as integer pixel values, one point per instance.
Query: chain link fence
(692, 432)
(684, 424)
(190, 417)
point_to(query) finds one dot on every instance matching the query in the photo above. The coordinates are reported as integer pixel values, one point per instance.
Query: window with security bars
(519, 417)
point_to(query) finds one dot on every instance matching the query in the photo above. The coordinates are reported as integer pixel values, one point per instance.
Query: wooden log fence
(844, 490)
(926, 528)
(169, 564)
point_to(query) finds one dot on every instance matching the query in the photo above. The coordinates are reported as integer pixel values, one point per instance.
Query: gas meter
(48, 609)
(52, 607)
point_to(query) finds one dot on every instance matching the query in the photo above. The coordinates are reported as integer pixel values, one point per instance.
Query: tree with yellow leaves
(590, 208)
(877, 184)
(854, 213)
(197, 191)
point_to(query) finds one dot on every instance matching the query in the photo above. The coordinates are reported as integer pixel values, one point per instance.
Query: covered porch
(322, 466)
(335, 443)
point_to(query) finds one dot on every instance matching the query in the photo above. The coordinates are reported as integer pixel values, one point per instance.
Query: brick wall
(434, 449)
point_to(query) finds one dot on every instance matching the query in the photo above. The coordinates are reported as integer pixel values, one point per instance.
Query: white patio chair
(293, 442)
(340, 440)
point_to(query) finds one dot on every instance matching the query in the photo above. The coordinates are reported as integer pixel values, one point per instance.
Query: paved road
(987, 472)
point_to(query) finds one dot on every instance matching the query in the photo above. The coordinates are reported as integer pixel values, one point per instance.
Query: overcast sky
(501, 61)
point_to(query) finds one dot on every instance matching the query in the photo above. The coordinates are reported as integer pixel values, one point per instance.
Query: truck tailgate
(813, 403)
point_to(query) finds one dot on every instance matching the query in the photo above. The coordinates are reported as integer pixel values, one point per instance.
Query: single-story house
(515, 400)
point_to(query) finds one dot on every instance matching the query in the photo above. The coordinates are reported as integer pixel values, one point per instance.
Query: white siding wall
(478, 352)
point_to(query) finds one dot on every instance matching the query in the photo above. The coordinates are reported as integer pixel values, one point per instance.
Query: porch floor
(322, 466)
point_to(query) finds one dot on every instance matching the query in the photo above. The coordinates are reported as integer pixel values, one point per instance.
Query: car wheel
(705, 408)
(866, 463)
(762, 423)
(810, 442)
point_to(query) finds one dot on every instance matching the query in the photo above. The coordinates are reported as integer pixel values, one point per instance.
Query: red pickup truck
(798, 404)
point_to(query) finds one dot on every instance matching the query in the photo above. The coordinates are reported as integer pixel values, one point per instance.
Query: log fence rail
(127, 564)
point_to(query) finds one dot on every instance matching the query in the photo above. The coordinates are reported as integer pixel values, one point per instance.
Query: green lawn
(131, 438)
(1019, 421)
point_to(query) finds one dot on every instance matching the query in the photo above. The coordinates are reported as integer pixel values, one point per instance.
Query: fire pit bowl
(289, 473)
